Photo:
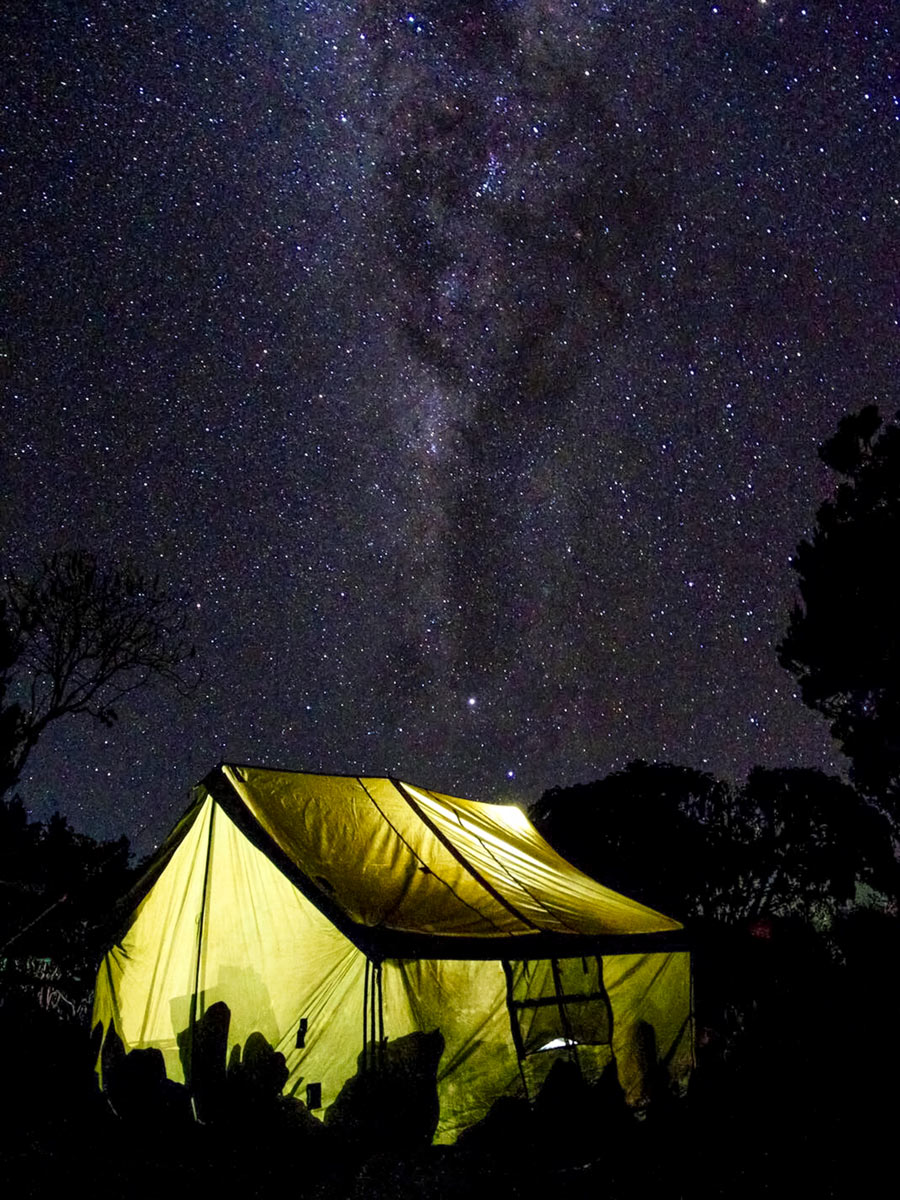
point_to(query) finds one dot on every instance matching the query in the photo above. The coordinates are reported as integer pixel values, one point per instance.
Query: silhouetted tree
(655, 832)
(805, 841)
(843, 639)
(10, 712)
(75, 639)
(790, 842)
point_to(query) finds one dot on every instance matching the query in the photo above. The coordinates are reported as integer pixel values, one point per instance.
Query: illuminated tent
(332, 912)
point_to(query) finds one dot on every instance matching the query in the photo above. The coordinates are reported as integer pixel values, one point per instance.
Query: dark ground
(794, 1094)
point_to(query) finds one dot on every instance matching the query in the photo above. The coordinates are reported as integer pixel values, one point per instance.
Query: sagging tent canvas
(333, 912)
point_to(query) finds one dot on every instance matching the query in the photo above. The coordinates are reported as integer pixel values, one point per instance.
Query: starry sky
(465, 365)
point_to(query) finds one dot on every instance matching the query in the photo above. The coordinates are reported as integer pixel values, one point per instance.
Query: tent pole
(189, 1074)
(365, 1053)
(601, 963)
(373, 1045)
(380, 1013)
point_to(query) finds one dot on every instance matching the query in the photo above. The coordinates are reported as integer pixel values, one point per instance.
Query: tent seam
(505, 869)
(422, 862)
(460, 857)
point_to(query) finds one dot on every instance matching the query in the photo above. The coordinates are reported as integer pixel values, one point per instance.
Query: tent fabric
(284, 893)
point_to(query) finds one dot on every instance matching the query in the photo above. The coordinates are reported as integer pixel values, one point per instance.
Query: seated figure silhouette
(391, 1103)
(203, 1053)
(137, 1086)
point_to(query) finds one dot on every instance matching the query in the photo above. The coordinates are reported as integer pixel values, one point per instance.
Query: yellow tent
(332, 913)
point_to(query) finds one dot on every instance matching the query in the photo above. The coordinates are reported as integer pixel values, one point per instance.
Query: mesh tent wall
(326, 911)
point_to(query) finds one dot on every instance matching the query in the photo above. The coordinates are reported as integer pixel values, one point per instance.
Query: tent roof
(405, 871)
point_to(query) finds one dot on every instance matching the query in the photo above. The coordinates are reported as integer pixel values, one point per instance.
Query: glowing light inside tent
(559, 1043)
(514, 817)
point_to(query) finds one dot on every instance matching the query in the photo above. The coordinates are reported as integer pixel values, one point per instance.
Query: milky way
(464, 364)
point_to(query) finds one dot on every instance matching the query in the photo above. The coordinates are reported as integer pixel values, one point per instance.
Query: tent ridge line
(476, 875)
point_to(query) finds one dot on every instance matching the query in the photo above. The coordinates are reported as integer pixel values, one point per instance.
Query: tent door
(557, 1004)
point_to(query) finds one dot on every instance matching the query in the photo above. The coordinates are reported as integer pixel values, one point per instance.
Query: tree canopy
(805, 841)
(650, 831)
(75, 639)
(787, 843)
(843, 639)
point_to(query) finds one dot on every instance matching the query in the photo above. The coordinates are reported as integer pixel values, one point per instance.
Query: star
(442, 359)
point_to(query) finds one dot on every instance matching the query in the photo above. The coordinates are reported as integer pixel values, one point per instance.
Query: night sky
(465, 364)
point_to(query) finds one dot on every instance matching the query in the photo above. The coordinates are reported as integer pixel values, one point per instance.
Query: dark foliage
(57, 891)
(652, 831)
(802, 842)
(76, 639)
(843, 639)
(788, 842)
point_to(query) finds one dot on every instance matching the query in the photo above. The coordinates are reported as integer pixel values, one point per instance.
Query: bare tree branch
(77, 638)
